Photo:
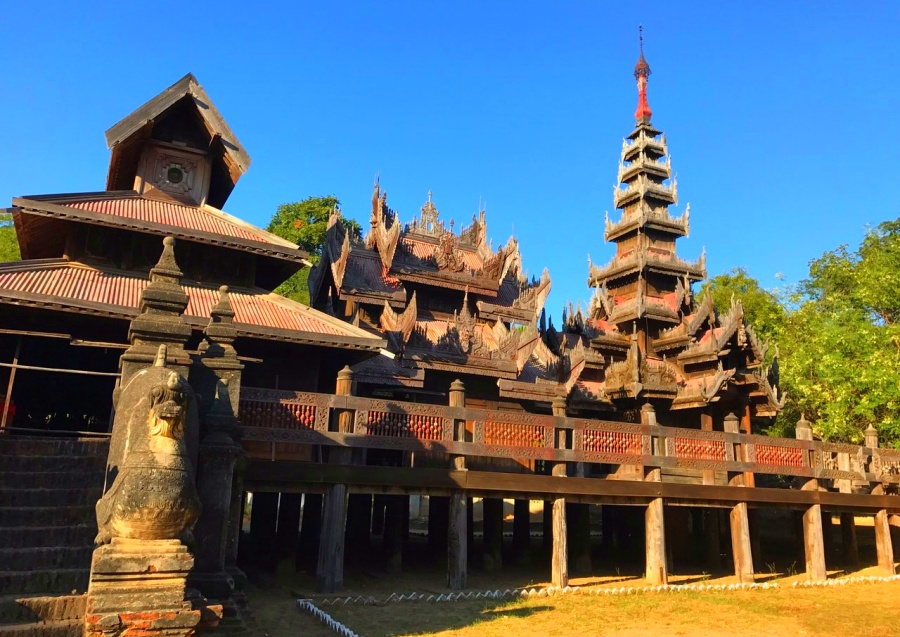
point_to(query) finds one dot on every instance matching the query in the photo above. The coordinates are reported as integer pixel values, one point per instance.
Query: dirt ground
(854, 610)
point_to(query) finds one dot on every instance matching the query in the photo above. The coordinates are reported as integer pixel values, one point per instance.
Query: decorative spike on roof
(642, 75)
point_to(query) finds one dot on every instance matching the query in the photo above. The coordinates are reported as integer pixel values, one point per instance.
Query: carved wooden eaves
(399, 326)
(384, 231)
(337, 244)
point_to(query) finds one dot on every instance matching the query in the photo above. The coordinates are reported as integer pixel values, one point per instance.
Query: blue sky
(779, 115)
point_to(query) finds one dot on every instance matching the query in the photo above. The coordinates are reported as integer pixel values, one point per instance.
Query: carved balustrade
(303, 417)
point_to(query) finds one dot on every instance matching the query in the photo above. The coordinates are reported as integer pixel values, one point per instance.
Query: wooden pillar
(492, 513)
(521, 531)
(359, 523)
(288, 523)
(392, 540)
(579, 522)
(4, 417)
(379, 502)
(263, 521)
(310, 532)
(813, 536)
(884, 547)
(711, 537)
(330, 570)
(656, 572)
(739, 518)
(438, 523)
(849, 545)
(458, 514)
(547, 526)
(559, 560)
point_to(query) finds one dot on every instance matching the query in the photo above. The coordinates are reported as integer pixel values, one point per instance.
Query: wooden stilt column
(521, 531)
(330, 570)
(711, 537)
(559, 561)
(392, 540)
(438, 522)
(741, 545)
(492, 514)
(884, 547)
(310, 532)
(547, 526)
(359, 523)
(263, 521)
(849, 545)
(656, 572)
(458, 522)
(813, 537)
(288, 523)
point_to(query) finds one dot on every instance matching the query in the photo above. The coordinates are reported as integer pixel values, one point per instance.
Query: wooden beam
(9, 386)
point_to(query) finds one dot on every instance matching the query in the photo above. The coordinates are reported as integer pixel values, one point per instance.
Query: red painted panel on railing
(253, 413)
(514, 435)
(620, 442)
(700, 449)
(778, 456)
(382, 423)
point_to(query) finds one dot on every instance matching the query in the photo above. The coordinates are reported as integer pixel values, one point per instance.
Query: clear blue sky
(779, 115)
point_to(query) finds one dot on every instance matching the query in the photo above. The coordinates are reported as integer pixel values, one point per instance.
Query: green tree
(9, 245)
(305, 223)
(763, 309)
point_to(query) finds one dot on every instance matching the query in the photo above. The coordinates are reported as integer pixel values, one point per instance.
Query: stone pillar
(492, 513)
(559, 561)
(813, 536)
(218, 380)
(656, 572)
(458, 513)
(139, 572)
(739, 518)
(330, 570)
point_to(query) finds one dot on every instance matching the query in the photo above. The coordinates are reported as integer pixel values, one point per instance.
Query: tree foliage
(838, 334)
(9, 245)
(305, 223)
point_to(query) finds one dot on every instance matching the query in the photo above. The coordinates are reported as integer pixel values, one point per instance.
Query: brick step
(67, 628)
(13, 445)
(19, 609)
(36, 536)
(48, 497)
(67, 580)
(43, 462)
(85, 479)
(58, 516)
(46, 557)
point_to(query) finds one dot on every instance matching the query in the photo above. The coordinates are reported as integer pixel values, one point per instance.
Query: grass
(852, 611)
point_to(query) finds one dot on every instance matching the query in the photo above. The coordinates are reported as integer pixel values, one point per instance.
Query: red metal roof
(72, 283)
(205, 219)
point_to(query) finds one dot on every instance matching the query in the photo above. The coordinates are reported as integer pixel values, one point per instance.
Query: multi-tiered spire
(645, 276)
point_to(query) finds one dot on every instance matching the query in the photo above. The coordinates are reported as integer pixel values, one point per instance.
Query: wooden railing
(277, 416)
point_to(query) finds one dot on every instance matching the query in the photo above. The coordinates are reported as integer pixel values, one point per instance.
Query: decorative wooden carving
(447, 254)
(427, 223)
(337, 243)
(384, 232)
(399, 327)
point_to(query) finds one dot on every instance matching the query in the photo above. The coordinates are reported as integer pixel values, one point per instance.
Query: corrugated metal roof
(201, 218)
(369, 270)
(252, 306)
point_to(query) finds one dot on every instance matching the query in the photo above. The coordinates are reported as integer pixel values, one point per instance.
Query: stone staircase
(48, 488)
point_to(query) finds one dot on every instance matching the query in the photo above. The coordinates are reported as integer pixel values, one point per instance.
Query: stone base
(137, 589)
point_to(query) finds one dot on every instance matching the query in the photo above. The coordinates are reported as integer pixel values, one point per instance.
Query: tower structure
(644, 337)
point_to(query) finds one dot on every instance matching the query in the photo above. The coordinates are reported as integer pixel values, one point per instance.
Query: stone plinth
(137, 589)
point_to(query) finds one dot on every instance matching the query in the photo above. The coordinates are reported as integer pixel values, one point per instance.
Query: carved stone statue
(153, 494)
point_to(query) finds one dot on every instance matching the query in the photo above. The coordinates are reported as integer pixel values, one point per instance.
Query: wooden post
(310, 532)
(288, 523)
(849, 545)
(884, 547)
(392, 540)
(330, 570)
(521, 531)
(656, 572)
(711, 532)
(11, 383)
(492, 524)
(359, 524)
(559, 561)
(263, 521)
(438, 522)
(457, 528)
(741, 545)
(813, 537)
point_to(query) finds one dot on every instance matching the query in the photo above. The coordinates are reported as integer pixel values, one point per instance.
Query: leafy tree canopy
(9, 245)
(838, 333)
(305, 223)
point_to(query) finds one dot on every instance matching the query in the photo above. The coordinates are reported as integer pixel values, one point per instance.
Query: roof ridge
(240, 222)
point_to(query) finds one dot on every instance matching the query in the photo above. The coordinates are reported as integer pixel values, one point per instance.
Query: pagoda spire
(642, 75)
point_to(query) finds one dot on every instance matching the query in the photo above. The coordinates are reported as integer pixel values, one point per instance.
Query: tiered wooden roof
(174, 162)
(644, 336)
(444, 300)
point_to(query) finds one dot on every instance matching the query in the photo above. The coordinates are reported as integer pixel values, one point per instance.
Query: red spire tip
(642, 74)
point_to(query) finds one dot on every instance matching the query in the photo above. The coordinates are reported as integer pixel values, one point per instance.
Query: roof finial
(641, 74)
